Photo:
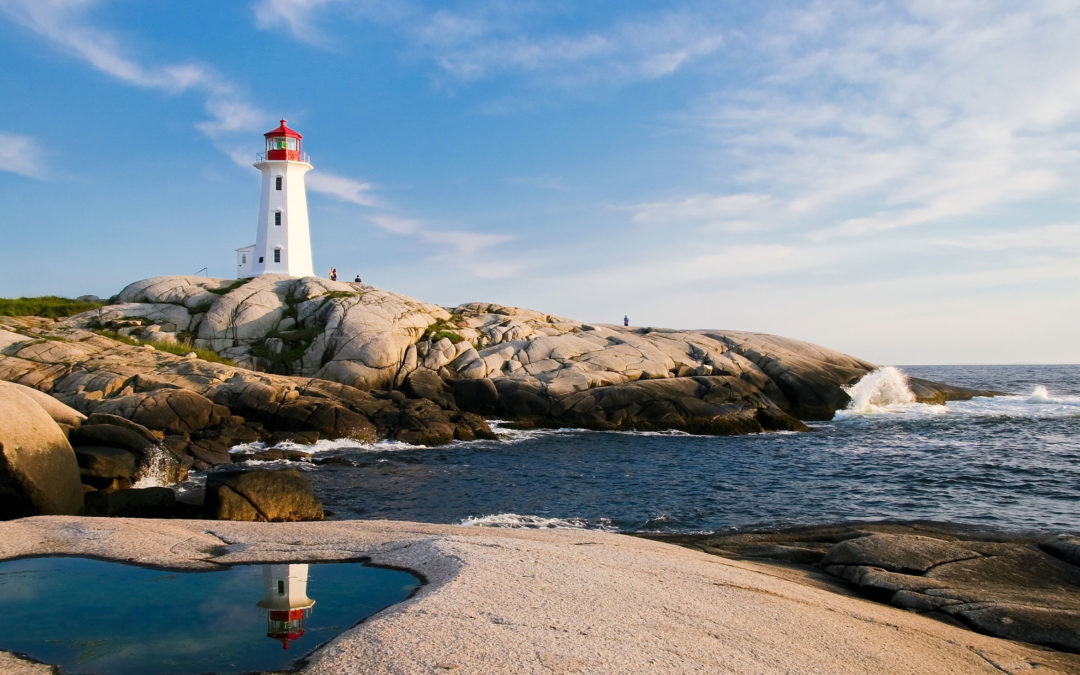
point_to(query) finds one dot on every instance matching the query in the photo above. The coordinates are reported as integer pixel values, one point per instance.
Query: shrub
(48, 306)
(179, 348)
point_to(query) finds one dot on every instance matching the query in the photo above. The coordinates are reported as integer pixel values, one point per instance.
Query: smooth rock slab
(529, 601)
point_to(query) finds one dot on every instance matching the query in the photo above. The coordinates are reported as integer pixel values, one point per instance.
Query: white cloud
(493, 38)
(862, 119)
(294, 15)
(345, 189)
(22, 155)
(464, 243)
(396, 224)
(733, 212)
(64, 24)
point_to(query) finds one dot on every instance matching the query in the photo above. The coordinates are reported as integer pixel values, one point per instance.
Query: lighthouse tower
(285, 601)
(283, 237)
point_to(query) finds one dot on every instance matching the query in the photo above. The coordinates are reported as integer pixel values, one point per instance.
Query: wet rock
(709, 405)
(38, 470)
(1001, 584)
(153, 502)
(208, 452)
(105, 462)
(427, 384)
(897, 553)
(271, 455)
(261, 495)
(300, 437)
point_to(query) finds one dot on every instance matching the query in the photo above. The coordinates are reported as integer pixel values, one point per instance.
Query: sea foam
(525, 521)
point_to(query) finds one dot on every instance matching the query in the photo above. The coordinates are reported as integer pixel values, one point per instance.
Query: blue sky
(900, 181)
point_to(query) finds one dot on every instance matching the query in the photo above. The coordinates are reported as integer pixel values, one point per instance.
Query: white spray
(156, 471)
(882, 388)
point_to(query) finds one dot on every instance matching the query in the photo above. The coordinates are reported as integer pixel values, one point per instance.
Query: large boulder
(261, 495)
(38, 470)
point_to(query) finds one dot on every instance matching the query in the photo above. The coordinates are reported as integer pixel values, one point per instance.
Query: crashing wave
(156, 471)
(878, 390)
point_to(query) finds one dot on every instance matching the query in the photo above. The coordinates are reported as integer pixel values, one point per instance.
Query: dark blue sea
(1010, 462)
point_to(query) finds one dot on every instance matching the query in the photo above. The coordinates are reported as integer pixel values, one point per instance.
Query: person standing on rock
(333, 274)
(357, 279)
(626, 320)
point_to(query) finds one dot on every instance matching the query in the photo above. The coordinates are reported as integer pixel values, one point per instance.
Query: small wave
(527, 521)
(326, 445)
(1040, 395)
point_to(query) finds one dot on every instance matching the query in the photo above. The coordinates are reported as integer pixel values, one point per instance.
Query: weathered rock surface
(198, 409)
(1015, 587)
(38, 470)
(495, 360)
(261, 495)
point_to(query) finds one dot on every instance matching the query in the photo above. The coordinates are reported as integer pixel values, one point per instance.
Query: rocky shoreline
(318, 359)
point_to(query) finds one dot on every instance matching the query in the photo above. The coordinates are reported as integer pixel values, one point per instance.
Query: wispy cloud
(730, 212)
(865, 119)
(22, 155)
(65, 25)
(345, 189)
(492, 38)
(296, 16)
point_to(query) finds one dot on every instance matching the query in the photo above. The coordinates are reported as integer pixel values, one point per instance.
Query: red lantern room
(283, 143)
(287, 625)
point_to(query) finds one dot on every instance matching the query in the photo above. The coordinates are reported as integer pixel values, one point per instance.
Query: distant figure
(357, 279)
(626, 320)
(333, 274)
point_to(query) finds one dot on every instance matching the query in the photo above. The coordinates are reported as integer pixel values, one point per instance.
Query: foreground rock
(518, 601)
(1020, 588)
(38, 469)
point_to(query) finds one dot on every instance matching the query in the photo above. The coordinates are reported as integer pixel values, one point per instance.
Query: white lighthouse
(283, 237)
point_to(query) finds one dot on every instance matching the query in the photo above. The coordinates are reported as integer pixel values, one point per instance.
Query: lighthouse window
(277, 217)
(277, 183)
(280, 587)
(277, 255)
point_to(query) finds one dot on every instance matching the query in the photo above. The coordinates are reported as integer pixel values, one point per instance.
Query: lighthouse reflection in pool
(286, 602)
(93, 616)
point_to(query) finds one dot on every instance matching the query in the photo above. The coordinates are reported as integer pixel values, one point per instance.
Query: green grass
(444, 328)
(180, 348)
(231, 287)
(48, 306)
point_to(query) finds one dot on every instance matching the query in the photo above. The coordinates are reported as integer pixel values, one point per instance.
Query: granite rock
(38, 470)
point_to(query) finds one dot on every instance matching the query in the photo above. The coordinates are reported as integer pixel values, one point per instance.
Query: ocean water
(1011, 462)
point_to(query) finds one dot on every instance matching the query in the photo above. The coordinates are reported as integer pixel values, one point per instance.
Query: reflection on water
(286, 602)
(92, 616)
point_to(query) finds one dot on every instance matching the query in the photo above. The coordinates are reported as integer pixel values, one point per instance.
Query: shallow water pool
(93, 616)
